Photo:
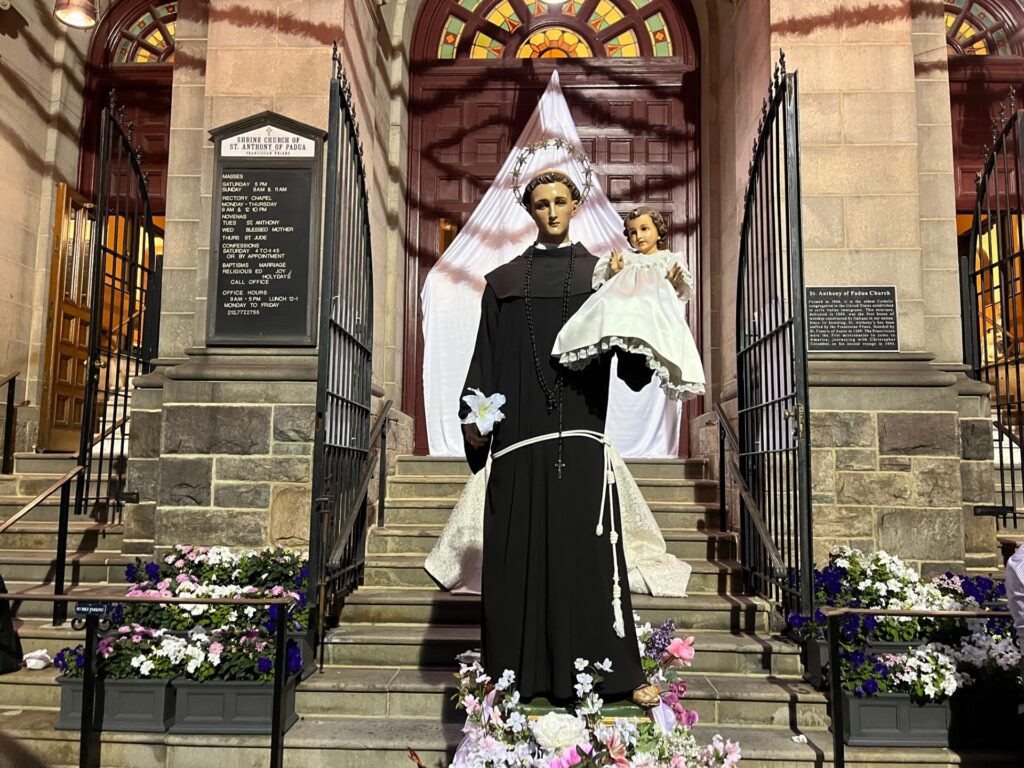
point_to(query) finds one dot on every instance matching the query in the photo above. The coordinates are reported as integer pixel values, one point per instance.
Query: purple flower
(153, 571)
(264, 664)
(796, 621)
(660, 639)
(857, 658)
(131, 573)
(870, 686)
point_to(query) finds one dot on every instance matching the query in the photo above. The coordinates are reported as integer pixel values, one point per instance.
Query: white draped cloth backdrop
(640, 424)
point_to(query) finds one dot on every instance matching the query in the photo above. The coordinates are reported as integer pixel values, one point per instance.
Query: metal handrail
(832, 617)
(9, 377)
(363, 485)
(68, 476)
(106, 433)
(89, 739)
(727, 434)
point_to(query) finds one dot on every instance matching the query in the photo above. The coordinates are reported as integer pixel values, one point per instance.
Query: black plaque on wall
(265, 233)
(851, 318)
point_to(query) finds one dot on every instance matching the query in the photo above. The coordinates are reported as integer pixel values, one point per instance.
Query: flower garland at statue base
(498, 731)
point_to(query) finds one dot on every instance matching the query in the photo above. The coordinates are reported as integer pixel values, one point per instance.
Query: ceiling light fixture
(80, 14)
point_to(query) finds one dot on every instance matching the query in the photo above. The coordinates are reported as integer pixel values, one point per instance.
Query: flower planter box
(229, 706)
(893, 720)
(144, 706)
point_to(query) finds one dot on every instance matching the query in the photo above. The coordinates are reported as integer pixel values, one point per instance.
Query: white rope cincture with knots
(607, 494)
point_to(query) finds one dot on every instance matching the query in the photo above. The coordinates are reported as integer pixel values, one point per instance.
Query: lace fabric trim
(580, 358)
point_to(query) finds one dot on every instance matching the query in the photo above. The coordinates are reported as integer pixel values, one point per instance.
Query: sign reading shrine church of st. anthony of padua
(265, 233)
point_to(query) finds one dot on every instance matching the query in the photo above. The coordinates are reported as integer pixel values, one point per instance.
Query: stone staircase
(387, 684)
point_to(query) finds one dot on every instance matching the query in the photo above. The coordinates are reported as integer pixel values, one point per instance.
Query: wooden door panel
(642, 139)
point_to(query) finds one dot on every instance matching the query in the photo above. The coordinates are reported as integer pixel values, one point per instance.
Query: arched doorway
(630, 72)
(131, 54)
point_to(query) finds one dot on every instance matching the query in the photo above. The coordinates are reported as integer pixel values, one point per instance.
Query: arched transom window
(553, 29)
(149, 38)
(976, 28)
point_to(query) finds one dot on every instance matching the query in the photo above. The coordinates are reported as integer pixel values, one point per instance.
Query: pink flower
(216, 647)
(679, 652)
(570, 757)
(472, 704)
(179, 563)
(136, 638)
(105, 646)
(616, 750)
(181, 577)
(124, 630)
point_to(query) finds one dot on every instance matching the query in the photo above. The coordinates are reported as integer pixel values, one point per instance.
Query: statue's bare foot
(647, 696)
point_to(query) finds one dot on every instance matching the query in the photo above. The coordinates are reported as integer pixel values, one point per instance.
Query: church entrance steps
(435, 511)
(406, 570)
(667, 469)
(39, 610)
(91, 567)
(43, 463)
(29, 689)
(381, 742)
(685, 544)
(38, 633)
(42, 535)
(653, 489)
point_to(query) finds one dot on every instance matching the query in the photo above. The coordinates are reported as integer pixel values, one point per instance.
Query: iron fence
(992, 299)
(771, 362)
(343, 448)
(124, 316)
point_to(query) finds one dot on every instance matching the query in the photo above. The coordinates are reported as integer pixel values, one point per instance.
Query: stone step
(31, 485)
(653, 489)
(43, 463)
(406, 570)
(694, 469)
(82, 567)
(397, 692)
(435, 511)
(30, 689)
(83, 535)
(48, 511)
(381, 742)
(8, 485)
(390, 606)
(687, 545)
(38, 633)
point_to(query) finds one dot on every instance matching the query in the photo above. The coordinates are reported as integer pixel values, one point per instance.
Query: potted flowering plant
(501, 731)
(227, 683)
(900, 699)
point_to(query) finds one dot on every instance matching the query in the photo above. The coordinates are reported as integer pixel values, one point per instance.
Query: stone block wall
(901, 469)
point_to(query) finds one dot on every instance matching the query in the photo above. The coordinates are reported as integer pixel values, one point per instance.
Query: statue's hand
(473, 436)
(675, 276)
(615, 265)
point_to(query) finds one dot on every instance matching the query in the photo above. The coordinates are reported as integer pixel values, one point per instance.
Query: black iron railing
(95, 622)
(833, 616)
(7, 462)
(773, 454)
(992, 299)
(344, 446)
(124, 315)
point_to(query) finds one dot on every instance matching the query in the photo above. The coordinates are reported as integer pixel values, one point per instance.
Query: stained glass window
(505, 16)
(605, 15)
(972, 29)
(502, 29)
(148, 39)
(555, 43)
(485, 47)
(450, 37)
(660, 38)
(623, 46)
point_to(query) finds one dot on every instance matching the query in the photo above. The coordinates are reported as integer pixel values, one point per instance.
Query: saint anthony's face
(552, 208)
(643, 235)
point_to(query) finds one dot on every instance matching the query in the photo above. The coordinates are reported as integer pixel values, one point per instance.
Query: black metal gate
(992, 299)
(771, 365)
(342, 459)
(124, 316)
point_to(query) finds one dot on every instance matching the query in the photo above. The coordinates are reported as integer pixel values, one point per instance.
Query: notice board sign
(265, 233)
(851, 318)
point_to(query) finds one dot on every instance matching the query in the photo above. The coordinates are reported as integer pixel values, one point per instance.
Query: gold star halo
(575, 152)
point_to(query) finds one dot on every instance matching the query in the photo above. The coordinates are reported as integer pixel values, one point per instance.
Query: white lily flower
(484, 411)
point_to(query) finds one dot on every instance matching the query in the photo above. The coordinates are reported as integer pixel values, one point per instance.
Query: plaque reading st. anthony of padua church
(265, 244)
(852, 318)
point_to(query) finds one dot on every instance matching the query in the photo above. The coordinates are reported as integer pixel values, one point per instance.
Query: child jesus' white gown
(640, 311)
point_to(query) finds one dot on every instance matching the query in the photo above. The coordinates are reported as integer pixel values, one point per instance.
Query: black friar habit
(547, 576)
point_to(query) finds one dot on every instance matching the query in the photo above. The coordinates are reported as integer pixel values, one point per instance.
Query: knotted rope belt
(607, 494)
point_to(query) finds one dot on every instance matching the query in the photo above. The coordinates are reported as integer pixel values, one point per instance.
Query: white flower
(516, 722)
(580, 664)
(558, 731)
(484, 411)
(507, 678)
(146, 668)
(584, 684)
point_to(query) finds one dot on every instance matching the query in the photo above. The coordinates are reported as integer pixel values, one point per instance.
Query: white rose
(558, 731)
